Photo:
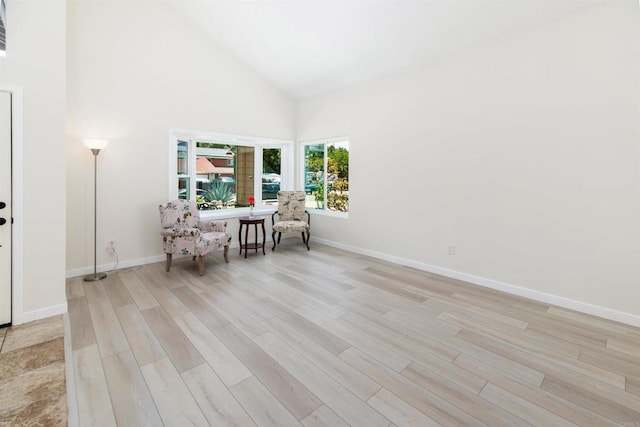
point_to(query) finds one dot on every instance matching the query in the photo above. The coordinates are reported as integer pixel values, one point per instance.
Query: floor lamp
(95, 145)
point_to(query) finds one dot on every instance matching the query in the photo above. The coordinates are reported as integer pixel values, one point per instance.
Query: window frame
(259, 143)
(301, 179)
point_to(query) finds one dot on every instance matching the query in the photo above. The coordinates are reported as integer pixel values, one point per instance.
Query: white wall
(135, 70)
(35, 62)
(524, 153)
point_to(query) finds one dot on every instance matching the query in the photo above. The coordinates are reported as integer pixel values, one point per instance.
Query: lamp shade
(95, 144)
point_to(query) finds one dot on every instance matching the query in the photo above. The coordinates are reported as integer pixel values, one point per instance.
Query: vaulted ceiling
(310, 47)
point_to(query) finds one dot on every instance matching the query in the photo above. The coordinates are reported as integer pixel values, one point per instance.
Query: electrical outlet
(111, 248)
(451, 249)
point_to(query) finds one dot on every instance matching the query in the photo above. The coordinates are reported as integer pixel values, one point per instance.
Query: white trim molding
(583, 307)
(106, 268)
(43, 313)
(17, 212)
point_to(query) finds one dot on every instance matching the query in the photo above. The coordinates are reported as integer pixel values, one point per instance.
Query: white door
(5, 208)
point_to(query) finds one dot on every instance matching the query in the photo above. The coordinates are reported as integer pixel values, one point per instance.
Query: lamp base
(94, 277)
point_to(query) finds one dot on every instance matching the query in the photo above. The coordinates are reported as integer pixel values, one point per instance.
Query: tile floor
(32, 374)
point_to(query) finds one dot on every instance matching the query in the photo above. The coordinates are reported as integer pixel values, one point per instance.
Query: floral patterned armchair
(291, 211)
(183, 232)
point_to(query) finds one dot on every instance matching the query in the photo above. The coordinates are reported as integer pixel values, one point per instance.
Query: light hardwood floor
(332, 338)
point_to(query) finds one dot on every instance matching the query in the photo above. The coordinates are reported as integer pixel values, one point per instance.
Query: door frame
(17, 213)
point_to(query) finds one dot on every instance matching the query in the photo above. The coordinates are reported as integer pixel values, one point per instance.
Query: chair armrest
(308, 217)
(209, 226)
(180, 232)
(273, 217)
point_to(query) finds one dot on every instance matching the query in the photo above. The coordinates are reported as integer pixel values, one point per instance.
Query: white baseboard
(130, 263)
(583, 307)
(109, 267)
(30, 316)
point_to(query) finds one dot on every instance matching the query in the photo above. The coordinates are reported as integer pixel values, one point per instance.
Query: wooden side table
(246, 222)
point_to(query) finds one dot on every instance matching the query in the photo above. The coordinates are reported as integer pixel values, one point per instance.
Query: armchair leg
(308, 237)
(273, 237)
(201, 266)
(226, 254)
(194, 258)
(303, 239)
(279, 236)
(168, 263)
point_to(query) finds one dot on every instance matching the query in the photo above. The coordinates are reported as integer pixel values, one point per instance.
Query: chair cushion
(290, 226)
(209, 226)
(209, 242)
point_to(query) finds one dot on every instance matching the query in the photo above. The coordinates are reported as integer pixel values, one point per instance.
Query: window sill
(234, 213)
(323, 212)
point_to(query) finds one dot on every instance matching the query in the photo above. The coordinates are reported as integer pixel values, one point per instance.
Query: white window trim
(191, 136)
(18, 315)
(301, 171)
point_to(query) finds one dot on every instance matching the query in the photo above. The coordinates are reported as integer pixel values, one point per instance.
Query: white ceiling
(309, 47)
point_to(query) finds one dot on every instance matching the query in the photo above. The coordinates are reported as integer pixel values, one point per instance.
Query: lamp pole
(95, 145)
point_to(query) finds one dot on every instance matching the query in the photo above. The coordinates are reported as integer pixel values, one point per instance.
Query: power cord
(112, 250)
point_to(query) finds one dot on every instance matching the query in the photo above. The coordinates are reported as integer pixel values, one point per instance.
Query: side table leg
(255, 231)
(240, 238)
(246, 241)
(264, 238)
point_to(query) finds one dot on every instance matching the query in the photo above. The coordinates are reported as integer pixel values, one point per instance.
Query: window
(326, 174)
(221, 172)
(271, 175)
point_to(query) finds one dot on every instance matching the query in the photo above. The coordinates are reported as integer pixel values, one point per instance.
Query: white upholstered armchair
(291, 212)
(183, 232)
